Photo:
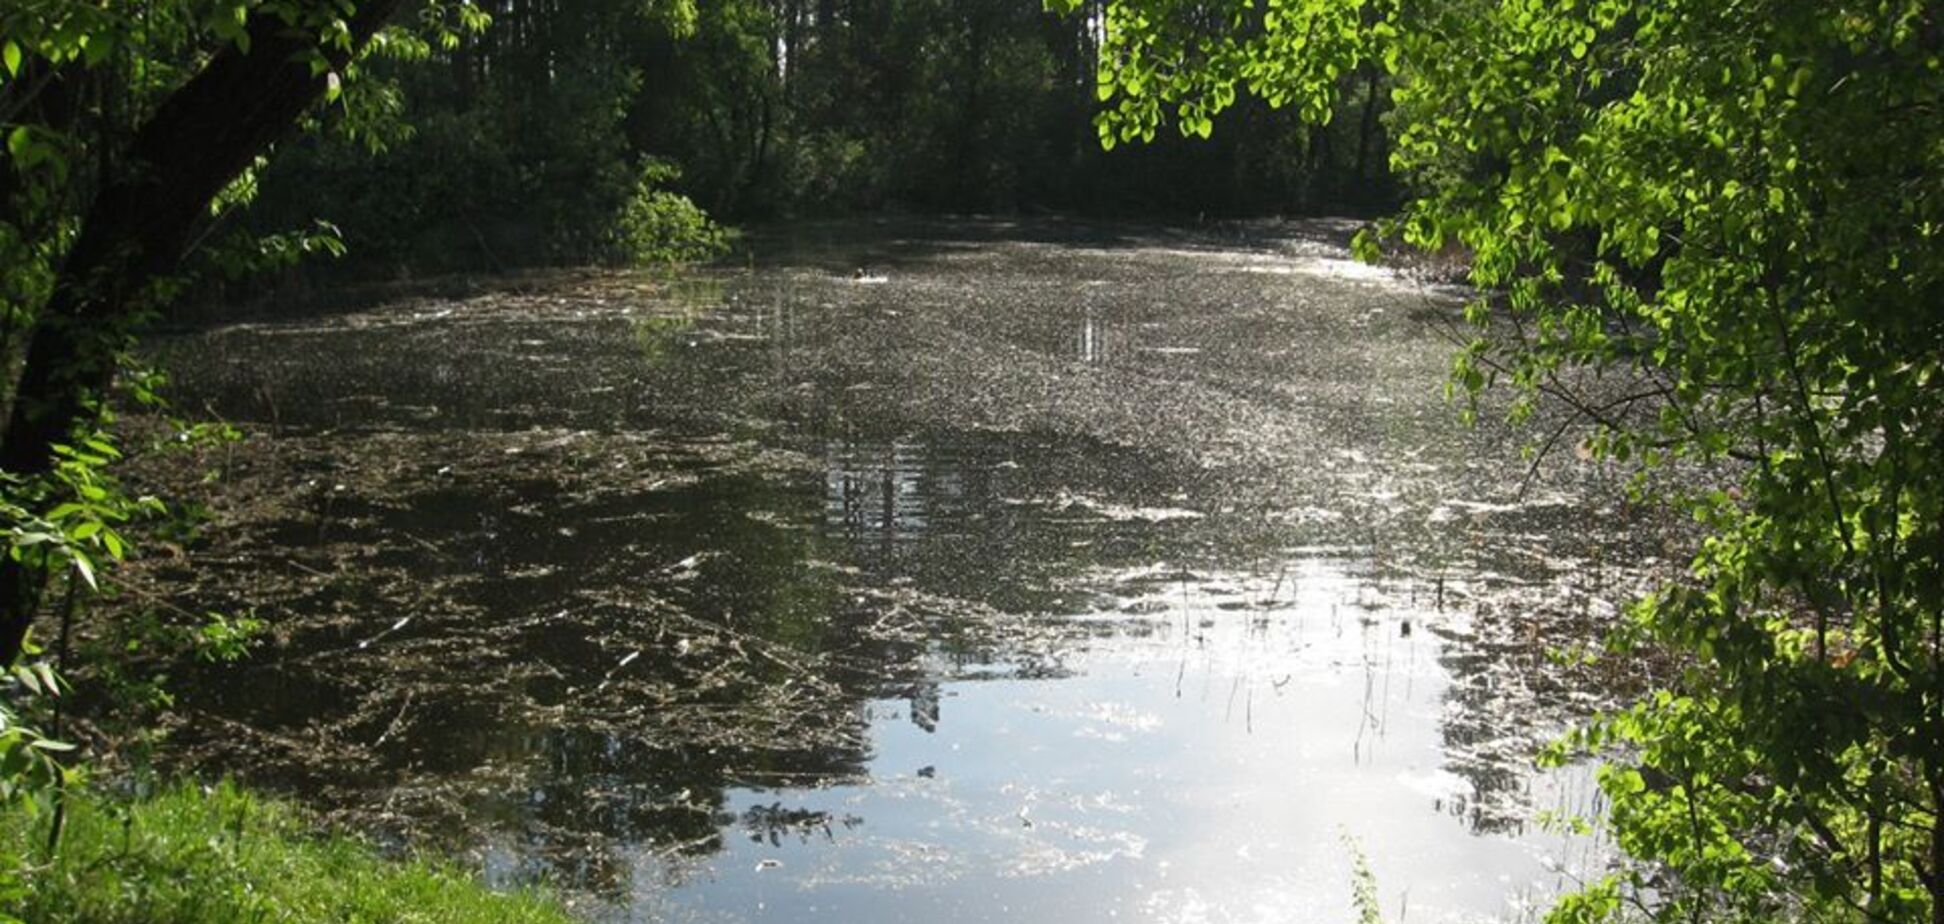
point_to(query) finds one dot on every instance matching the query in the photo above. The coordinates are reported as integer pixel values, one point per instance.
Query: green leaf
(19, 142)
(85, 568)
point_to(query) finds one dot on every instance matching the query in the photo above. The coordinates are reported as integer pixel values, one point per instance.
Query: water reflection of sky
(1215, 742)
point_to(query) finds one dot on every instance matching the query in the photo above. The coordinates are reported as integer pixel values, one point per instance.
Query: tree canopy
(1713, 231)
(131, 134)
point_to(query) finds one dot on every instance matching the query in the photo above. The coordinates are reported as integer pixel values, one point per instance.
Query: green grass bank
(190, 855)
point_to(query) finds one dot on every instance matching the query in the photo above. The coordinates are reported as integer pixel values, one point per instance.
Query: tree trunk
(136, 233)
(1367, 131)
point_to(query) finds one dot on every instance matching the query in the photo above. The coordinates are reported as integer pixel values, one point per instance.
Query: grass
(190, 855)
(1363, 884)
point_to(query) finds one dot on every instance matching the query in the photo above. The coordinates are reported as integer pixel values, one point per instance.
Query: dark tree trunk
(1367, 131)
(136, 232)
(1319, 159)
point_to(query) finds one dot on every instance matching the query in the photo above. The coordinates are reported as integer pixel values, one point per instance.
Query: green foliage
(88, 253)
(1734, 213)
(1753, 228)
(59, 137)
(67, 526)
(64, 529)
(221, 638)
(189, 855)
(658, 227)
(1363, 884)
(82, 86)
(31, 767)
(68, 531)
(1164, 60)
(510, 148)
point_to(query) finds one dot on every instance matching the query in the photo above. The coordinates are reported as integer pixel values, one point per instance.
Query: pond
(942, 571)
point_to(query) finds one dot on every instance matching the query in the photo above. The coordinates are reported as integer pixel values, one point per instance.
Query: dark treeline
(531, 139)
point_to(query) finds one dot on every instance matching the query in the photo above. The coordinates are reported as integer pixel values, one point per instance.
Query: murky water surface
(1043, 573)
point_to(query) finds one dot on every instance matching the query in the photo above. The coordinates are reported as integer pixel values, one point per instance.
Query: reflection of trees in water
(1484, 742)
(732, 691)
(1481, 745)
(924, 703)
(1097, 340)
(878, 492)
(1526, 572)
(587, 800)
(1508, 694)
(629, 656)
(980, 516)
(772, 823)
(886, 490)
(633, 656)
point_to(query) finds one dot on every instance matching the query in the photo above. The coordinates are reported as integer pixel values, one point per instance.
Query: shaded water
(1048, 572)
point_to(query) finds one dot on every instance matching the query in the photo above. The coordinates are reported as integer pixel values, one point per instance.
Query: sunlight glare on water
(1209, 753)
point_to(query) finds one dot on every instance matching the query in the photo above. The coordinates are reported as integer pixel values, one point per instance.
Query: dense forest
(530, 141)
(1698, 236)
